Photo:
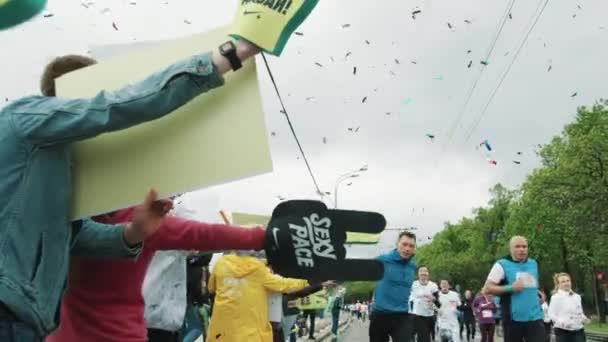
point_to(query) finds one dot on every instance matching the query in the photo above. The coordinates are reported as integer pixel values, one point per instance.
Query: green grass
(595, 327)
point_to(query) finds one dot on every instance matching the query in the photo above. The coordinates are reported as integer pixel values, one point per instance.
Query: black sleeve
(436, 299)
(308, 290)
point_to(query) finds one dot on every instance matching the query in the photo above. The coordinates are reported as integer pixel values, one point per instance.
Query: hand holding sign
(306, 240)
(269, 24)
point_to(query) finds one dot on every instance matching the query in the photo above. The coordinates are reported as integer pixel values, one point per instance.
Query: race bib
(527, 279)
(486, 314)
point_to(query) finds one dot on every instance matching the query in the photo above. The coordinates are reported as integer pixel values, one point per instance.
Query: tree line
(561, 207)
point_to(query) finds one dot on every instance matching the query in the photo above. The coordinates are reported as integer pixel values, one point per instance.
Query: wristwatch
(228, 50)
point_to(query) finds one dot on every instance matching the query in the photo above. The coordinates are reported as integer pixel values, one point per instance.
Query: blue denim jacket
(35, 181)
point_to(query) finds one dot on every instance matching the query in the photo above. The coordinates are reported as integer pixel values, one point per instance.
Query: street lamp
(351, 174)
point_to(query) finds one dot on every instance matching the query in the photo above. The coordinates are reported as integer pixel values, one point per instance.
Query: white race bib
(486, 313)
(527, 279)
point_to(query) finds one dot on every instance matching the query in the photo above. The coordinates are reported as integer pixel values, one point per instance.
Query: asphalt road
(358, 332)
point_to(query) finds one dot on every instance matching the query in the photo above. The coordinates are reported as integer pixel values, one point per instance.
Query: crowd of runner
(510, 304)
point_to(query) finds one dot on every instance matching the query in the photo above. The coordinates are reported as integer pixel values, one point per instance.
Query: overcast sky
(411, 180)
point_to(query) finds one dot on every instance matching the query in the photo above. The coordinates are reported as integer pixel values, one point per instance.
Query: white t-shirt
(363, 308)
(275, 307)
(422, 298)
(164, 290)
(497, 274)
(447, 317)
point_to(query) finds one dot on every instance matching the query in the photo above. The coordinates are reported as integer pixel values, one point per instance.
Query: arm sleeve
(179, 233)
(275, 283)
(580, 308)
(475, 305)
(101, 241)
(497, 274)
(553, 311)
(53, 120)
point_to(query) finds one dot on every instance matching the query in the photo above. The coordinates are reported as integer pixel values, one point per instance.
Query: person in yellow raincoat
(240, 312)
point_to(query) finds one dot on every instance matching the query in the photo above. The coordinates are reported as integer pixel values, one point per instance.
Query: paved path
(358, 332)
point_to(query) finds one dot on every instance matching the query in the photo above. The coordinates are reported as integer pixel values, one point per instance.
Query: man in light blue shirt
(390, 311)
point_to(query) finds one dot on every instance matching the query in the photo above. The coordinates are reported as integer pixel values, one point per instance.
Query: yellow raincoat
(240, 310)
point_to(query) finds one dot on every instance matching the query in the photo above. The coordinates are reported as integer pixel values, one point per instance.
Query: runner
(484, 309)
(447, 318)
(566, 311)
(467, 315)
(546, 319)
(358, 310)
(363, 311)
(497, 316)
(390, 311)
(423, 299)
(515, 279)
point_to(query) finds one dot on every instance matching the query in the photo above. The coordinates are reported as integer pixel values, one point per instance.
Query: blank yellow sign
(362, 238)
(242, 219)
(217, 138)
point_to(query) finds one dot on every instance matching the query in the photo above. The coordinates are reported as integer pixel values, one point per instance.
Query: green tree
(562, 208)
(359, 290)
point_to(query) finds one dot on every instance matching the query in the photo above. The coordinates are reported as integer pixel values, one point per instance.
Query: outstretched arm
(182, 234)
(45, 121)
(101, 240)
(276, 283)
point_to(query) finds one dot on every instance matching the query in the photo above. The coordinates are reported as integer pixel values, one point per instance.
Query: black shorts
(532, 331)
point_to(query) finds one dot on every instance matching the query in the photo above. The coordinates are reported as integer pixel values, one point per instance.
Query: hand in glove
(305, 240)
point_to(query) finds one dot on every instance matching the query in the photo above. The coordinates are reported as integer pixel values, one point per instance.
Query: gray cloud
(406, 170)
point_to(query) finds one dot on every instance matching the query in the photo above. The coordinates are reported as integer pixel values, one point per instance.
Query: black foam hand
(305, 239)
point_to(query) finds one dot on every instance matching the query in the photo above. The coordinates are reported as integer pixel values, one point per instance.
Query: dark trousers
(396, 326)
(570, 336)
(548, 331)
(469, 324)
(335, 322)
(277, 332)
(13, 330)
(524, 331)
(313, 315)
(158, 335)
(487, 332)
(423, 327)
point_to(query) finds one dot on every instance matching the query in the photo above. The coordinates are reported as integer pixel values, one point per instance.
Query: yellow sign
(218, 137)
(362, 238)
(316, 301)
(242, 219)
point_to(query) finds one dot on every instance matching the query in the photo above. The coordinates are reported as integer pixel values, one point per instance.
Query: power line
(473, 86)
(293, 131)
(481, 114)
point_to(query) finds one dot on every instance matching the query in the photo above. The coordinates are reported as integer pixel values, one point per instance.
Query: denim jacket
(35, 181)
